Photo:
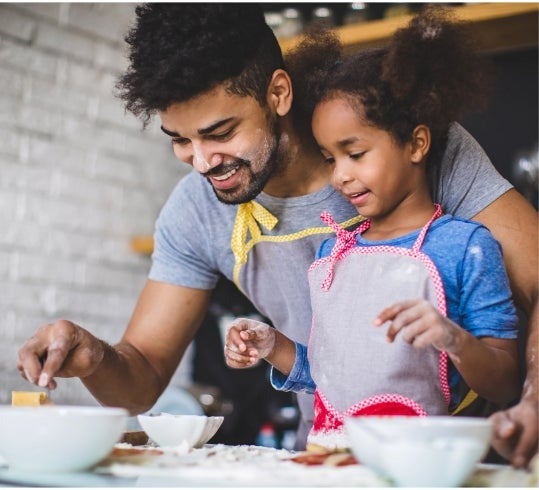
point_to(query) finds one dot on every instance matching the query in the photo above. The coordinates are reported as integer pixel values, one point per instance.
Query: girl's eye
(329, 160)
(357, 156)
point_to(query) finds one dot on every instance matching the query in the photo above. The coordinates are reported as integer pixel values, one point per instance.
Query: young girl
(381, 118)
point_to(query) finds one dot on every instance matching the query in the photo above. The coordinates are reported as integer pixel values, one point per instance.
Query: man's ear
(279, 94)
(420, 145)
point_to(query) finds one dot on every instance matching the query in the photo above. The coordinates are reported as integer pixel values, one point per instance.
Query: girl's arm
(488, 365)
(283, 354)
(484, 349)
(248, 340)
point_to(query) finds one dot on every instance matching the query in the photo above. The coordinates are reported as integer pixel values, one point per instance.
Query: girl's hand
(420, 324)
(247, 341)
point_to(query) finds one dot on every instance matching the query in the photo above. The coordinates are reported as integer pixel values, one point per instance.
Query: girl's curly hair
(180, 50)
(430, 73)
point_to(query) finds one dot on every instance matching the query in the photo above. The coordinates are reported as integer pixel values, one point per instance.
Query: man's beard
(256, 180)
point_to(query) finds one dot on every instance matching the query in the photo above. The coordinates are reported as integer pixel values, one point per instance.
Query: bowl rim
(178, 415)
(64, 410)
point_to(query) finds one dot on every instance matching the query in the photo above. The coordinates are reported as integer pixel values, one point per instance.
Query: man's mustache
(226, 167)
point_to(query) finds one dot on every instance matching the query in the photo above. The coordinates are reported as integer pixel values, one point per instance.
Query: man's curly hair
(180, 50)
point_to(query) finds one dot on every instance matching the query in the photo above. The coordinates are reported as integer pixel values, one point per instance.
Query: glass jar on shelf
(292, 24)
(355, 13)
(275, 21)
(323, 16)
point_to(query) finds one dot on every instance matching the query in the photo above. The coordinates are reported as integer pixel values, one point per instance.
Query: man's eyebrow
(214, 126)
(169, 133)
(209, 129)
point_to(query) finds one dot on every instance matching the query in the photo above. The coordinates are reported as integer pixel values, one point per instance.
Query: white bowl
(58, 438)
(167, 429)
(420, 451)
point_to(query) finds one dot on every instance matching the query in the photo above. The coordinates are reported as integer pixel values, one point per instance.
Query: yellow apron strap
(470, 397)
(247, 218)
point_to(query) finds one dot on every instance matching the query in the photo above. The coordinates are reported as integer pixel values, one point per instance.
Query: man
(214, 75)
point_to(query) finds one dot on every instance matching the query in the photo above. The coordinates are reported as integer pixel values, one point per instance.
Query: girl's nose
(341, 174)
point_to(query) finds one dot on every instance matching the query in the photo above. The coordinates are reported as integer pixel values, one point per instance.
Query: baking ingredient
(29, 398)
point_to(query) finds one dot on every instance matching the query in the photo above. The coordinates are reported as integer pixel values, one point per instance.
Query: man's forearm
(530, 390)
(125, 379)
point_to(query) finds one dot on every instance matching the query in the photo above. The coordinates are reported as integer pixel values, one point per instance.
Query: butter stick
(29, 398)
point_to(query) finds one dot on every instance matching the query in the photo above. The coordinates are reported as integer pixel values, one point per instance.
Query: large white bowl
(173, 430)
(58, 438)
(436, 451)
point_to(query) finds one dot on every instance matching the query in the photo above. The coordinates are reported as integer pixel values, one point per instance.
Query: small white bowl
(55, 438)
(169, 430)
(436, 451)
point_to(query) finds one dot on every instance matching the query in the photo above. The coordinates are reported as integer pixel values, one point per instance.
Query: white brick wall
(78, 178)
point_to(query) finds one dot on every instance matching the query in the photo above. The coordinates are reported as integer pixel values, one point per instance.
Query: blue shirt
(478, 296)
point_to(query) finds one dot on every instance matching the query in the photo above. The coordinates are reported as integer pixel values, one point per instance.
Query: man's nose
(205, 161)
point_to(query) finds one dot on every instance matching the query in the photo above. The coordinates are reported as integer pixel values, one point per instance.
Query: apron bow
(249, 216)
(345, 241)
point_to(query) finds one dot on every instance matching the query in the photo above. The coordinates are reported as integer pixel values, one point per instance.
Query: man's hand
(515, 434)
(247, 341)
(61, 349)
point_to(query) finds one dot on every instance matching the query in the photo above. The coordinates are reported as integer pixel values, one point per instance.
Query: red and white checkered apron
(356, 371)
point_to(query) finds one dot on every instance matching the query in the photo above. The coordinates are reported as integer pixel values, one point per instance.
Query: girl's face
(369, 168)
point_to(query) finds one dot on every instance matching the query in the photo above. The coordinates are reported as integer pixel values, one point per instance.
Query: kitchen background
(79, 180)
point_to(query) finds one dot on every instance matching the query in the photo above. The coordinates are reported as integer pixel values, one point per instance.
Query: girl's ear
(279, 95)
(420, 143)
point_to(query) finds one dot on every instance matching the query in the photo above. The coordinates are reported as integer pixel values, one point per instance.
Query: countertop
(236, 466)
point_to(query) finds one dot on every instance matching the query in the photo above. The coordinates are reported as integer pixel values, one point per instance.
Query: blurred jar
(397, 10)
(323, 16)
(276, 21)
(292, 24)
(356, 12)
(525, 173)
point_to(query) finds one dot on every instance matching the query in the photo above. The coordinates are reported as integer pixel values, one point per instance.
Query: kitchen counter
(235, 466)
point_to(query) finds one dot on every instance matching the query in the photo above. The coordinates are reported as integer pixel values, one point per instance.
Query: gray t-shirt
(197, 237)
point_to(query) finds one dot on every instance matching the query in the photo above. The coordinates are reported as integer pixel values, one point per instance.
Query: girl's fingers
(234, 340)
(421, 338)
(392, 311)
(404, 319)
(238, 365)
(238, 360)
(247, 335)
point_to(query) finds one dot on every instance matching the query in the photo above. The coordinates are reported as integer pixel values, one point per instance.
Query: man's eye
(180, 141)
(221, 136)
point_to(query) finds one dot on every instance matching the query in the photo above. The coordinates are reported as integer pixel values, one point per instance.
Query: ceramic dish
(420, 451)
(57, 438)
(167, 429)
